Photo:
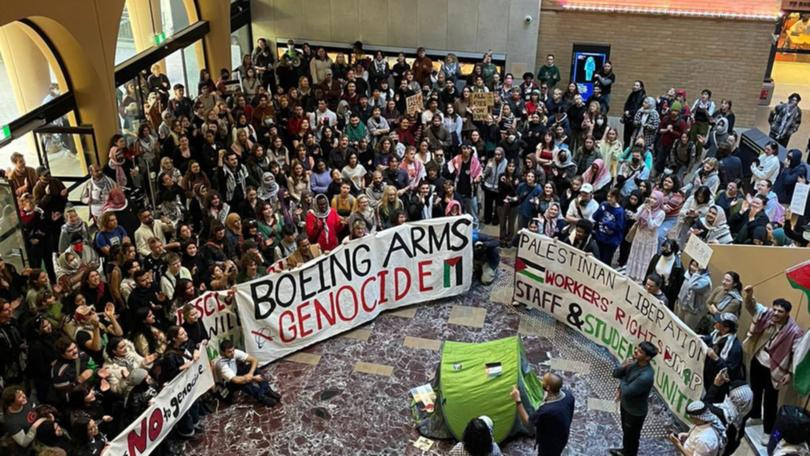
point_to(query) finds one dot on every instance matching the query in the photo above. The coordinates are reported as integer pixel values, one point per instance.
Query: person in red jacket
(323, 224)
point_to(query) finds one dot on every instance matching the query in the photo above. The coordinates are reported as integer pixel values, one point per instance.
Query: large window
(144, 24)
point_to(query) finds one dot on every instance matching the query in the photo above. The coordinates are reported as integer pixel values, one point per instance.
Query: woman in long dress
(645, 242)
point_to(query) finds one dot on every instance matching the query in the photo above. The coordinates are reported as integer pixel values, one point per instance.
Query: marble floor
(349, 395)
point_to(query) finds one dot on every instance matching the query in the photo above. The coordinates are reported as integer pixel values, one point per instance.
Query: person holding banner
(770, 344)
(180, 355)
(636, 378)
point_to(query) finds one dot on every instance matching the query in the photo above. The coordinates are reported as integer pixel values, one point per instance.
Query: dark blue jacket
(552, 422)
(609, 228)
(786, 182)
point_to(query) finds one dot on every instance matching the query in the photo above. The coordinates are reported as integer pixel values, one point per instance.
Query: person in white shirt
(707, 436)
(768, 166)
(322, 117)
(583, 207)
(238, 370)
(151, 228)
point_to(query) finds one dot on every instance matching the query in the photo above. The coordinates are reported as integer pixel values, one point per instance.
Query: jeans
(185, 425)
(490, 198)
(507, 214)
(763, 389)
(606, 252)
(469, 205)
(255, 390)
(631, 432)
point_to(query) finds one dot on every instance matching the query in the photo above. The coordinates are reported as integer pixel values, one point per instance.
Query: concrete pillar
(26, 66)
(144, 16)
(218, 39)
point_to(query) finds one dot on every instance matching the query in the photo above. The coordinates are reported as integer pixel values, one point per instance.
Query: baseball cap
(586, 188)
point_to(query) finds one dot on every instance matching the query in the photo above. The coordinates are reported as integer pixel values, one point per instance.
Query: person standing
(552, 419)
(785, 119)
(549, 74)
(636, 378)
(771, 340)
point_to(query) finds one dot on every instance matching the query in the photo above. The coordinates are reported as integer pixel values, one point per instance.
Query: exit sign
(160, 38)
(5, 133)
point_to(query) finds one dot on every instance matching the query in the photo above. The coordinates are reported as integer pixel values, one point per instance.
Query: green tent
(476, 379)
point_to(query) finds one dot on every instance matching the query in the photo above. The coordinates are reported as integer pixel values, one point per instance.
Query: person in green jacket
(549, 73)
(636, 378)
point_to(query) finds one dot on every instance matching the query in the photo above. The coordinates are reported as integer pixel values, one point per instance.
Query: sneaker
(616, 451)
(199, 427)
(268, 401)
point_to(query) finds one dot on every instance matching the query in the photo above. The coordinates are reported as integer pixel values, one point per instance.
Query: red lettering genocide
(348, 303)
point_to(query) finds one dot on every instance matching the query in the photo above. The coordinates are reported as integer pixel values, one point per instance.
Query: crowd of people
(283, 159)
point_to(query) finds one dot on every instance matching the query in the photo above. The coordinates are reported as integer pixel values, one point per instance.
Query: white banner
(218, 314)
(611, 310)
(286, 311)
(173, 401)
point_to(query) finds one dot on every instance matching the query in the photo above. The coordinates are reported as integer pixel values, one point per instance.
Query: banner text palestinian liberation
(611, 310)
(286, 311)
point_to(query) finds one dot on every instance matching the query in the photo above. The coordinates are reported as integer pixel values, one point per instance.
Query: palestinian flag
(531, 270)
(801, 365)
(799, 278)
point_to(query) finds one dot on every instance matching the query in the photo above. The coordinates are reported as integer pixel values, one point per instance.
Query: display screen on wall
(586, 61)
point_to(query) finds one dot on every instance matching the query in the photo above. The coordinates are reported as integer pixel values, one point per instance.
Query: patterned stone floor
(348, 395)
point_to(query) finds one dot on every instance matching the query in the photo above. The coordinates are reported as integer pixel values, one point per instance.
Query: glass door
(68, 152)
(12, 246)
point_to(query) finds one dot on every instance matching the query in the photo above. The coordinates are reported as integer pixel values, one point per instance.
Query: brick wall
(729, 57)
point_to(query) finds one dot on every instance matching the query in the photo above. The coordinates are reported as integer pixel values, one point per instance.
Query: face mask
(78, 248)
(600, 121)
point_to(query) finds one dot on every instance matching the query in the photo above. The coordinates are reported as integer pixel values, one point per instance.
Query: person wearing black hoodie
(631, 106)
(794, 171)
(668, 265)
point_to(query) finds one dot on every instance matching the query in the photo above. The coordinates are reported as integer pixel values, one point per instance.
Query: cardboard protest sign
(173, 401)
(416, 262)
(698, 250)
(481, 106)
(414, 104)
(611, 310)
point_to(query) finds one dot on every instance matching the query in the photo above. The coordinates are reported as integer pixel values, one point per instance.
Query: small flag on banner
(531, 270)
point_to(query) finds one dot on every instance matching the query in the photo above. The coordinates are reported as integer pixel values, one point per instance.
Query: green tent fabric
(466, 390)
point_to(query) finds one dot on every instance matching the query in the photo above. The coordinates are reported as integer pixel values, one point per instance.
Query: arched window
(145, 24)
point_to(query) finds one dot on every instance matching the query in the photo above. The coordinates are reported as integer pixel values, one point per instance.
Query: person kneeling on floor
(238, 370)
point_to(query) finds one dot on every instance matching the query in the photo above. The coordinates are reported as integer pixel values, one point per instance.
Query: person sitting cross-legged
(238, 370)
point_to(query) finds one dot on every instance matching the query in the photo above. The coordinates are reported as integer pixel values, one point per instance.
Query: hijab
(600, 178)
(269, 188)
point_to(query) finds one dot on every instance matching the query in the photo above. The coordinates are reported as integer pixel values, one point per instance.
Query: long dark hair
(477, 438)
(736, 278)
